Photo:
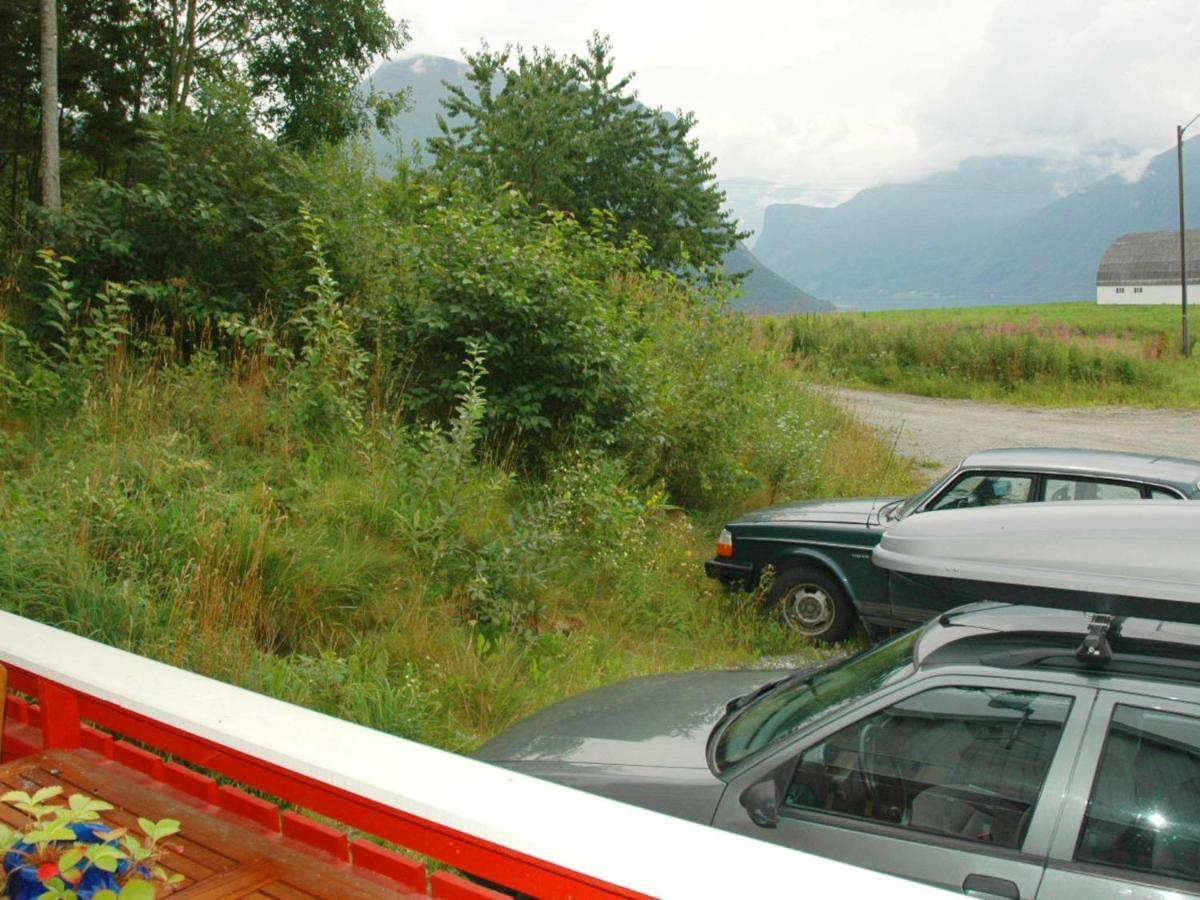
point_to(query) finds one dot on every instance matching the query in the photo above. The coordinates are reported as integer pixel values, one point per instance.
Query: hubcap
(808, 609)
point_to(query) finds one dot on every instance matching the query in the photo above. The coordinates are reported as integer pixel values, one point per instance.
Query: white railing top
(614, 842)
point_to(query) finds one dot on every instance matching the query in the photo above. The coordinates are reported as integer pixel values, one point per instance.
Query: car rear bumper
(728, 571)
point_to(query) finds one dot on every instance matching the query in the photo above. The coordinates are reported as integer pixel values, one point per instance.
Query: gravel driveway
(945, 431)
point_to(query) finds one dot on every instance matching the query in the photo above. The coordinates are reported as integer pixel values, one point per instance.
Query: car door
(1131, 825)
(956, 781)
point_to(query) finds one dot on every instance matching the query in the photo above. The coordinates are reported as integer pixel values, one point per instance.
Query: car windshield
(901, 509)
(796, 701)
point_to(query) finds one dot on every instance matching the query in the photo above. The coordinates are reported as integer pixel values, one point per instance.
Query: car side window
(1160, 494)
(1144, 812)
(965, 762)
(985, 490)
(1088, 489)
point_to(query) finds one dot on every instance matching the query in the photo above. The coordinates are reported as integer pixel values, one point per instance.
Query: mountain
(994, 230)
(423, 78)
(763, 291)
(747, 199)
(1054, 253)
(899, 239)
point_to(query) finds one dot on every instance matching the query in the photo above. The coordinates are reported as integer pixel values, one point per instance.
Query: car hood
(655, 721)
(858, 511)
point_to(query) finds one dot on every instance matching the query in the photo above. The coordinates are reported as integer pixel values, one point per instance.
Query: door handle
(987, 886)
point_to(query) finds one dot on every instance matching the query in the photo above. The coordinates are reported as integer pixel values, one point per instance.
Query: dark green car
(821, 551)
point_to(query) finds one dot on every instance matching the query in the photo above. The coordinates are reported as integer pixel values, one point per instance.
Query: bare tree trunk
(51, 187)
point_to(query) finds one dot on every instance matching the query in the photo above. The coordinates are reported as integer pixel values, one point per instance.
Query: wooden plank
(243, 881)
(215, 845)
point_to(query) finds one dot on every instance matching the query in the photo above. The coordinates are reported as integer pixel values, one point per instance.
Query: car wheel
(811, 602)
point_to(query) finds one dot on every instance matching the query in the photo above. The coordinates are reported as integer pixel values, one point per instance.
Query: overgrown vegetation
(386, 448)
(425, 451)
(1055, 355)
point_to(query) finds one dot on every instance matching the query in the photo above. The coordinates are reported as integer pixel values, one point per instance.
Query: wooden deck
(220, 854)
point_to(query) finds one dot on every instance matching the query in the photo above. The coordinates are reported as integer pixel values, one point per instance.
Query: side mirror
(761, 801)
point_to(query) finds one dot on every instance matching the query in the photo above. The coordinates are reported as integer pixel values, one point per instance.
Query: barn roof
(1149, 257)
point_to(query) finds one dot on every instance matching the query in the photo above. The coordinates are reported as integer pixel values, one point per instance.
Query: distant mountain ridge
(765, 292)
(423, 76)
(994, 230)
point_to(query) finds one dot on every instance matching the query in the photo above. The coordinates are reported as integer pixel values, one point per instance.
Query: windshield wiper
(746, 699)
(885, 511)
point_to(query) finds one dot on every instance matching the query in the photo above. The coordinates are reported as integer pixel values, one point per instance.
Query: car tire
(811, 602)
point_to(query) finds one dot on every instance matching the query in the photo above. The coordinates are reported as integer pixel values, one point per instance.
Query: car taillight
(725, 543)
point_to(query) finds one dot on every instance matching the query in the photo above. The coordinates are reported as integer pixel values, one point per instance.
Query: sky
(826, 97)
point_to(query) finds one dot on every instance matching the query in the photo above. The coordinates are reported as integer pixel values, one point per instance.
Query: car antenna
(886, 468)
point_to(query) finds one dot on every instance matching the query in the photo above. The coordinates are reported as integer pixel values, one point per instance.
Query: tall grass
(1066, 354)
(398, 575)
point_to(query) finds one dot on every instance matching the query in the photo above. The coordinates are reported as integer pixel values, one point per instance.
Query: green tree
(298, 62)
(570, 136)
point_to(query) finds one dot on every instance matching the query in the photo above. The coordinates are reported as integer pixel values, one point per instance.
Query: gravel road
(945, 431)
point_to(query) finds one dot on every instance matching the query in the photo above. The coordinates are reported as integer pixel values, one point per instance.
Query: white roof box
(1135, 558)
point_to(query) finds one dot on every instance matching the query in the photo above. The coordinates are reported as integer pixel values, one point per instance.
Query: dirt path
(945, 431)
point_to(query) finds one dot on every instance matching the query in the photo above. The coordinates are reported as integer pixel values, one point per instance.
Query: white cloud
(836, 95)
(1099, 81)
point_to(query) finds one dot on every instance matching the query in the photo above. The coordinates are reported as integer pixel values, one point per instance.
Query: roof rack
(1096, 649)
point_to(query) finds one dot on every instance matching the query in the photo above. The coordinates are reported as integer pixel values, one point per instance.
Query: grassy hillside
(1068, 354)
(174, 514)
(416, 458)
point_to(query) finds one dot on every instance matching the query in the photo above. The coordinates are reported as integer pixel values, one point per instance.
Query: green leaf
(105, 856)
(52, 832)
(82, 803)
(138, 890)
(156, 831)
(46, 793)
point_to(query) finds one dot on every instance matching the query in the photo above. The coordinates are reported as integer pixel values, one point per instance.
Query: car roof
(1010, 636)
(1152, 467)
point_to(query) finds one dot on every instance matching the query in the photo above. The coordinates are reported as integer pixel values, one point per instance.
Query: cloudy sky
(834, 96)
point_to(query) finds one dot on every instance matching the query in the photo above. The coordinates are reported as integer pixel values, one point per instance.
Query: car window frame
(1144, 487)
(1038, 488)
(959, 475)
(1069, 832)
(1041, 826)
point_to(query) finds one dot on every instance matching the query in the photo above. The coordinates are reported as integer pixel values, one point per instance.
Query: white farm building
(1143, 267)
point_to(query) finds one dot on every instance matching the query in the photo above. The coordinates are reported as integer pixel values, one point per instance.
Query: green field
(1065, 354)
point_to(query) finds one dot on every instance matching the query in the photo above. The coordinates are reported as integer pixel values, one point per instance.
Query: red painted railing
(60, 717)
(539, 838)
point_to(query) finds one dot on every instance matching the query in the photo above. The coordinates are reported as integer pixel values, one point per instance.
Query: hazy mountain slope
(1054, 253)
(991, 231)
(422, 77)
(763, 291)
(899, 238)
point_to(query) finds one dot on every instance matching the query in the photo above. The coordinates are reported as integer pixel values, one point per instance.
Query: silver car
(1002, 750)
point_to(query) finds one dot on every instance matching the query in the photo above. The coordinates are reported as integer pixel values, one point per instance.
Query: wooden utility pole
(51, 185)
